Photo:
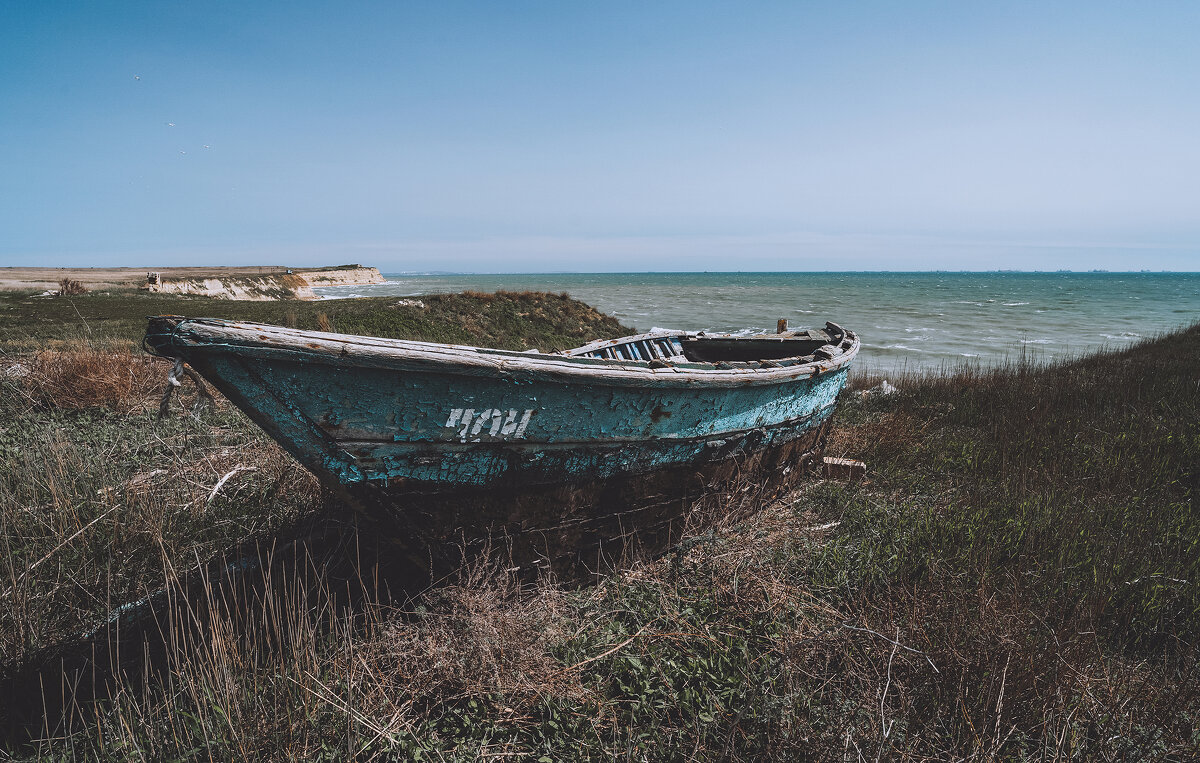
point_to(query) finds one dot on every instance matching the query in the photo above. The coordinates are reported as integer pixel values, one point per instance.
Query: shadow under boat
(321, 570)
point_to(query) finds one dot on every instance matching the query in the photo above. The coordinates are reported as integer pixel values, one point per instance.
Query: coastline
(231, 282)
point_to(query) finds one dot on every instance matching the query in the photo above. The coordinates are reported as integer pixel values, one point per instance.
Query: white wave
(1016, 304)
(1035, 341)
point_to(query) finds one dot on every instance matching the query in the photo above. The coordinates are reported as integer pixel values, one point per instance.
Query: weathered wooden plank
(844, 468)
(206, 335)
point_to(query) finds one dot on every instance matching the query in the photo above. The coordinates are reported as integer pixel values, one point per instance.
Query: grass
(1074, 484)
(1016, 579)
(81, 451)
(504, 320)
(1038, 528)
(95, 493)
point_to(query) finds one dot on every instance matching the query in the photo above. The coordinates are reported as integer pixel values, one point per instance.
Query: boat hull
(447, 431)
(567, 463)
(584, 526)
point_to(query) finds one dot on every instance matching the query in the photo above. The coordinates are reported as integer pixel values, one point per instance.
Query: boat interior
(687, 347)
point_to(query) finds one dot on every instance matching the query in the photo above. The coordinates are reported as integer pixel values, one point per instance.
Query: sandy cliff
(292, 284)
(246, 282)
(238, 287)
(344, 276)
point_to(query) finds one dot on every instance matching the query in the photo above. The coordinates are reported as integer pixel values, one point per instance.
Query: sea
(907, 321)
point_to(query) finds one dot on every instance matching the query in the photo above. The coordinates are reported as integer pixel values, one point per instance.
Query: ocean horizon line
(772, 272)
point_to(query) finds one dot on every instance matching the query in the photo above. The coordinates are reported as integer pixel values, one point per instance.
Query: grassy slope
(1038, 531)
(1073, 487)
(510, 321)
(1029, 536)
(100, 502)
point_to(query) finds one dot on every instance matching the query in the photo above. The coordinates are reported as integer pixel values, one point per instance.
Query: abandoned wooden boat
(567, 459)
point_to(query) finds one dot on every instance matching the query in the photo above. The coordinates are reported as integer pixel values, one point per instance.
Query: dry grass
(480, 296)
(1014, 580)
(481, 642)
(85, 376)
(94, 492)
(889, 432)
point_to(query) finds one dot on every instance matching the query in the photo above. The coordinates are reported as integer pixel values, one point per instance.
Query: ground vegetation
(1016, 578)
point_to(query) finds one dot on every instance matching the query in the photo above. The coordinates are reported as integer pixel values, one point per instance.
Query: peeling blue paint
(357, 421)
(377, 424)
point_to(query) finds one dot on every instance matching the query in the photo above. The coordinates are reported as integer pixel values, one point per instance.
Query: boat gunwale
(279, 342)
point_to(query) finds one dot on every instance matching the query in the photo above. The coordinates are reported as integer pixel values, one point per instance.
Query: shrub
(84, 376)
(68, 287)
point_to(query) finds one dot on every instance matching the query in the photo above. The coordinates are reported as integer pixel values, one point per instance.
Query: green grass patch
(1015, 579)
(505, 320)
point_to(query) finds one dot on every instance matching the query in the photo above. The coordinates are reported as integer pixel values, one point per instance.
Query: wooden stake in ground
(843, 468)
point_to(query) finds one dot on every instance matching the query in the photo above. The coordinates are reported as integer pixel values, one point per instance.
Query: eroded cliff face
(355, 276)
(295, 284)
(258, 288)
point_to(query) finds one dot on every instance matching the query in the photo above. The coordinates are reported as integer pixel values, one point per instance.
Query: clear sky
(601, 136)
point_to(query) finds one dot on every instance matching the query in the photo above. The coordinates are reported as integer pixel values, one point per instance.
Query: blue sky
(560, 136)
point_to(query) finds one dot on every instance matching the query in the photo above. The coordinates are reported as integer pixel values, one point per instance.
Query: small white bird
(207, 146)
(137, 76)
(170, 124)
(183, 152)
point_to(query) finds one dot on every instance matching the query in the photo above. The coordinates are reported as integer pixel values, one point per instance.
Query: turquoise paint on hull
(442, 418)
(378, 424)
(484, 465)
